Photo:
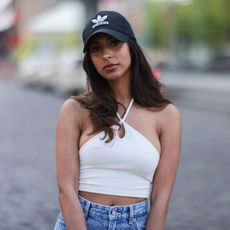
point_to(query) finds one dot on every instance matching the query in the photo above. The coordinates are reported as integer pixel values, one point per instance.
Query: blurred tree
(156, 29)
(206, 21)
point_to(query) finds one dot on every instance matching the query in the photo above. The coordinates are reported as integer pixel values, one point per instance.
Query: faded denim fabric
(102, 217)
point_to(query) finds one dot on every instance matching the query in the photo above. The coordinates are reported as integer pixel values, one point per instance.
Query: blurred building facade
(8, 27)
(9, 39)
(27, 10)
(49, 52)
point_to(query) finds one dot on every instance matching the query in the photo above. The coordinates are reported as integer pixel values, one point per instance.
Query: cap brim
(119, 36)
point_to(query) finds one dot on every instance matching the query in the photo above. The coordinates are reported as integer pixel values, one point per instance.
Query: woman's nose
(107, 54)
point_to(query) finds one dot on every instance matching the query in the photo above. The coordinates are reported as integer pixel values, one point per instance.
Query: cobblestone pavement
(28, 194)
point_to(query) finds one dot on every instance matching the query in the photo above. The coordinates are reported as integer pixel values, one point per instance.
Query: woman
(117, 146)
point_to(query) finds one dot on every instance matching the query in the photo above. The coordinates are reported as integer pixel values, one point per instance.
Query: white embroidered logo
(99, 21)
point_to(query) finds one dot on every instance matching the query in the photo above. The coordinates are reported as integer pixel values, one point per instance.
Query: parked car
(61, 73)
(70, 76)
(219, 62)
(37, 70)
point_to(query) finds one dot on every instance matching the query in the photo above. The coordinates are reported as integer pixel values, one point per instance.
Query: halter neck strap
(122, 119)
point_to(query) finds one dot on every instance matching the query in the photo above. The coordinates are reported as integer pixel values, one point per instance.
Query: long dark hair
(100, 100)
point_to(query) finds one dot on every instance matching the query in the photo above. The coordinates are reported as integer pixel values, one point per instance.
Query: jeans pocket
(60, 222)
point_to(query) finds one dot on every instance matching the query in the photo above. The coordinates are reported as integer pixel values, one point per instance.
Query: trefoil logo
(99, 21)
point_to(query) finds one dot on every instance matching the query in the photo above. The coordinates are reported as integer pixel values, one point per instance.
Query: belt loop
(131, 214)
(87, 208)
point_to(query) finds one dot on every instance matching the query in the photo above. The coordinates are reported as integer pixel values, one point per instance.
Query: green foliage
(206, 21)
(157, 26)
(53, 42)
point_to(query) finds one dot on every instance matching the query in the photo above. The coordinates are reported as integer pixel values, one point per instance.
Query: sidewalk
(217, 82)
(199, 90)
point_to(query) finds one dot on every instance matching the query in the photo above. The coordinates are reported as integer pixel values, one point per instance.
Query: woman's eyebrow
(111, 38)
(94, 42)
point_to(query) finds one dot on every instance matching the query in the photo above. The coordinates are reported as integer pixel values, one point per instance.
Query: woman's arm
(67, 164)
(170, 137)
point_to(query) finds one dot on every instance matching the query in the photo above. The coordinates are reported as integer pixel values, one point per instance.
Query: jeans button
(114, 213)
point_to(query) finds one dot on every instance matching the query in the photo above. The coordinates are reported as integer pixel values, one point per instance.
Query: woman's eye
(115, 43)
(94, 48)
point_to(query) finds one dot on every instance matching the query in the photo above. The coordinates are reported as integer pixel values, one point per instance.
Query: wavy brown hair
(100, 100)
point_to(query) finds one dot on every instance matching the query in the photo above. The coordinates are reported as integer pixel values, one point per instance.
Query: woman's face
(110, 57)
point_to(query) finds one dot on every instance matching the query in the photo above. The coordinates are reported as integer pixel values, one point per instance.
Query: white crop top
(124, 167)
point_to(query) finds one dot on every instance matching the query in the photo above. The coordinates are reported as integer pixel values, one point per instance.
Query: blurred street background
(187, 43)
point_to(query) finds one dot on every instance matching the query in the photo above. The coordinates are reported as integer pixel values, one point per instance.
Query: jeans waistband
(114, 212)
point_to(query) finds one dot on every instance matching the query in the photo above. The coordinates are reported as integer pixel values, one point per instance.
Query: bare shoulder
(71, 105)
(71, 111)
(171, 110)
(170, 115)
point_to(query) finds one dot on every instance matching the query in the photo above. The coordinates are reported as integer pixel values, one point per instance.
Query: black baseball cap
(109, 22)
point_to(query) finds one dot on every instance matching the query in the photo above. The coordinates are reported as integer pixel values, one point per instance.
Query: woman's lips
(109, 67)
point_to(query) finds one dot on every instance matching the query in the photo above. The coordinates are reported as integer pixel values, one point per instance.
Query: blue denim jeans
(102, 217)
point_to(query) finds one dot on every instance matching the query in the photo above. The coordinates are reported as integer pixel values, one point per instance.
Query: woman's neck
(123, 95)
(121, 89)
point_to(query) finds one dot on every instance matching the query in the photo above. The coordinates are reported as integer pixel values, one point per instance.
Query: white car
(62, 72)
(37, 70)
(70, 76)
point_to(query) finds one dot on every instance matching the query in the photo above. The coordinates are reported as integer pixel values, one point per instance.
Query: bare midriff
(110, 200)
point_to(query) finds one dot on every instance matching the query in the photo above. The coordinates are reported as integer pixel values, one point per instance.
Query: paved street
(201, 197)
